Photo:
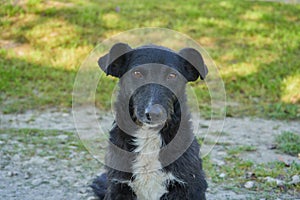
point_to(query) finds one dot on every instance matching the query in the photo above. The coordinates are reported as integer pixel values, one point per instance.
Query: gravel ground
(58, 168)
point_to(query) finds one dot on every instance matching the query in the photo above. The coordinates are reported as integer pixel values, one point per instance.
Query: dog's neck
(149, 180)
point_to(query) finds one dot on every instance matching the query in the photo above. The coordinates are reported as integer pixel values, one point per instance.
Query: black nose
(155, 113)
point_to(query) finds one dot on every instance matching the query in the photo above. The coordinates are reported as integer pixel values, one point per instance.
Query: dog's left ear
(194, 66)
(115, 62)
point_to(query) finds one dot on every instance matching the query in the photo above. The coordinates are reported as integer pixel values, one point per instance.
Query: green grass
(255, 45)
(236, 171)
(240, 149)
(289, 143)
(35, 142)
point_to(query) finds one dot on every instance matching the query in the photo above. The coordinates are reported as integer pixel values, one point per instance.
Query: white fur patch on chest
(150, 182)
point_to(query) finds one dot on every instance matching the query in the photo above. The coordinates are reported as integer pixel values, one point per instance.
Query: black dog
(152, 126)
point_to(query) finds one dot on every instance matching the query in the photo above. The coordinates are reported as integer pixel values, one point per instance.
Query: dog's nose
(155, 113)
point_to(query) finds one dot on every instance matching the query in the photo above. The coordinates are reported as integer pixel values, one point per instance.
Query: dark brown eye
(137, 74)
(172, 76)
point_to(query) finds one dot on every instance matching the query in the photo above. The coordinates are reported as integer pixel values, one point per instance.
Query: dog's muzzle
(155, 114)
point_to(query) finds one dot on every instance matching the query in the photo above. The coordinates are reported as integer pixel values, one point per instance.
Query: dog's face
(156, 95)
(153, 79)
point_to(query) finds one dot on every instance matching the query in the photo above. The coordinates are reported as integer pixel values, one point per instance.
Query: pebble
(54, 183)
(92, 198)
(12, 173)
(221, 153)
(37, 182)
(295, 180)
(16, 157)
(78, 169)
(278, 182)
(82, 190)
(83, 195)
(272, 146)
(222, 175)
(62, 137)
(51, 168)
(49, 157)
(65, 114)
(35, 160)
(249, 184)
(218, 162)
(250, 175)
(27, 175)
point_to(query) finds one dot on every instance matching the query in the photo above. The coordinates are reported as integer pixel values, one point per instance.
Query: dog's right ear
(115, 62)
(195, 65)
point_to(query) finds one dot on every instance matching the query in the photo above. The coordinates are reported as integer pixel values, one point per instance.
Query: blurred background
(255, 45)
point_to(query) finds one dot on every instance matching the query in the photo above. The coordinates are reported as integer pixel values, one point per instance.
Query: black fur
(100, 185)
(173, 117)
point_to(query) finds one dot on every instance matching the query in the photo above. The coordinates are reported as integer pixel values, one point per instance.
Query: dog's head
(153, 79)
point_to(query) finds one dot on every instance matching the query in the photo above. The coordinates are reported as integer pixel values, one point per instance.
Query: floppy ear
(115, 62)
(194, 66)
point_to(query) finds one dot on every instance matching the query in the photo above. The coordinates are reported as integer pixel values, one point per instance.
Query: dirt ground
(46, 177)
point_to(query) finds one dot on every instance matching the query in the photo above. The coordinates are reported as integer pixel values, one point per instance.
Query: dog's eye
(137, 74)
(172, 76)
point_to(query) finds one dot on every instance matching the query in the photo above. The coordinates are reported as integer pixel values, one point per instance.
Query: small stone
(65, 114)
(54, 183)
(62, 137)
(287, 163)
(218, 162)
(92, 198)
(49, 157)
(51, 169)
(82, 190)
(272, 146)
(16, 157)
(278, 182)
(35, 160)
(27, 175)
(1, 142)
(221, 153)
(78, 169)
(12, 173)
(222, 175)
(250, 175)
(295, 180)
(269, 179)
(72, 147)
(249, 184)
(83, 196)
(37, 182)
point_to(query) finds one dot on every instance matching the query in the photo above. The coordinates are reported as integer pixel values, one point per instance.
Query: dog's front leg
(176, 192)
(119, 191)
(180, 192)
